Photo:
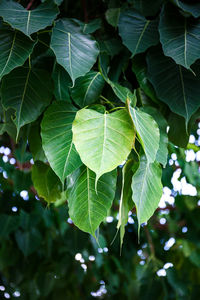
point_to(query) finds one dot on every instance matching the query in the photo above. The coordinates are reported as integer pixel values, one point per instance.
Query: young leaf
(126, 203)
(137, 33)
(148, 8)
(75, 51)
(15, 48)
(46, 183)
(103, 141)
(87, 89)
(179, 36)
(87, 207)
(146, 189)
(56, 132)
(28, 92)
(28, 21)
(182, 94)
(147, 131)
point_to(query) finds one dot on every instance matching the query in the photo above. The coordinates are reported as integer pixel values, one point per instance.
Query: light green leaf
(15, 48)
(126, 203)
(62, 82)
(46, 183)
(28, 92)
(146, 189)
(137, 33)
(179, 36)
(182, 94)
(87, 89)
(28, 21)
(75, 51)
(87, 207)
(162, 153)
(147, 131)
(57, 139)
(103, 141)
(190, 7)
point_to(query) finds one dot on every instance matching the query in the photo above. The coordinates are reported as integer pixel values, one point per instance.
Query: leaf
(122, 92)
(28, 21)
(92, 26)
(87, 207)
(103, 141)
(35, 143)
(146, 189)
(46, 183)
(62, 82)
(181, 95)
(28, 91)
(148, 8)
(28, 241)
(162, 154)
(8, 224)
(112, 16)
(177, 134)
(87, 89)
(57, 139)
(139, 67)
(15, 48)
(137, 33)
(192, 8)
(126, 203)
(179, 36)
(75, 51)
(147, 131)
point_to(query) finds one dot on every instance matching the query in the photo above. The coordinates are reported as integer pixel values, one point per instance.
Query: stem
(84, 6)
(150, 241)
(30, 4)
(115, 108)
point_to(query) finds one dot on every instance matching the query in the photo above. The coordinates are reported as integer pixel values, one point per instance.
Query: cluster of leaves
(38, 248)
(95, 97)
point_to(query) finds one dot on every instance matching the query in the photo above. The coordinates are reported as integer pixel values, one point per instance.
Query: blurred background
(44, 256)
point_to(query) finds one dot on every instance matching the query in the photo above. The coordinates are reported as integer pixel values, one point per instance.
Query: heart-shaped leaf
(103, 141)
(89, 207)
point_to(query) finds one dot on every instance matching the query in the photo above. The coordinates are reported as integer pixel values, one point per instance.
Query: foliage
(87, 97)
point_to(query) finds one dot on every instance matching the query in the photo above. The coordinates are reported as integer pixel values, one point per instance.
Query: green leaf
(147, 131)
(28, 92)
(28, 21)
(35, 143)
(87, 207)
(181, 95)
(177, 134)
(75, 51)
(146, 189)
(162, 154)
(8, 224)
(57, 139)
(87, 89)
(122, 92)
(112, 16)
(103, 141)
(179, 36)
(28, 241)
(15, 48)
(139, 67)
(190, 7)
(91, 27)
(62, 82)
(126, 203)
(46, 183)
(148, 8)
(137, 33)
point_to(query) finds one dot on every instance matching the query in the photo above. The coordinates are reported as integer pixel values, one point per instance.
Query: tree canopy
(99, 110)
